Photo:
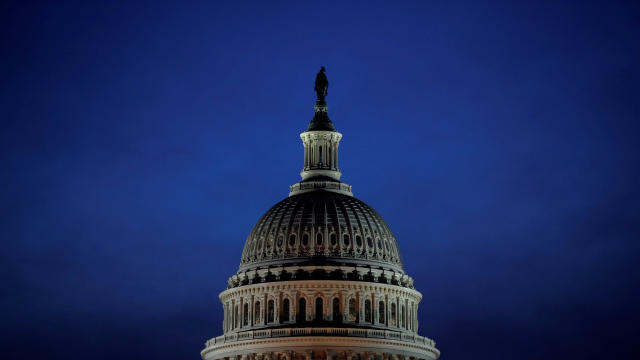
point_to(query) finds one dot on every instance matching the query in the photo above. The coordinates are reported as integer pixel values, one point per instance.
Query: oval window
(319, 239)
(333, 239)
(358, 240)
(305, 239)
(292, 240)
(345, 240)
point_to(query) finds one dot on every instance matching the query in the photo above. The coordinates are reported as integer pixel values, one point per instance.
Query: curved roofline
(326, 260)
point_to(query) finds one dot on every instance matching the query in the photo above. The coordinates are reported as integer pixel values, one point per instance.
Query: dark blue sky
(140, 142)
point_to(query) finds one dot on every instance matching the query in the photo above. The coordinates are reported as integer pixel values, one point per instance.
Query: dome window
(280, 240)
(302, 310)
(285, 310)
(369, 242)
(305, 239)
(334, 240)
(292, 239)
(345, 240)
(319, 239)
(336, 316)
(256, 313)
(353, 313)
(379, 244)
(367, 310)
(393, 314)
(270, 311)
(319, 309)
(358, 240)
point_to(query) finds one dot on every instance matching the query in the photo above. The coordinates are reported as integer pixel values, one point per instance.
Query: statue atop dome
(322, 84)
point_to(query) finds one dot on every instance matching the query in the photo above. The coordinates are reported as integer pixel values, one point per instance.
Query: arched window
(381, 315)
(285, 310)
(319, 239)
(367, 311)
(302, 310)
(353, 311)
(393, 314)
(270, 311)
(320, 153)
(236, 315)
(245, 314)
(319, 310)
(256, 313)
(336, 310)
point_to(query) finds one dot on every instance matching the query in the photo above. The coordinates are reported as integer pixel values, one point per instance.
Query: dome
(321, 228)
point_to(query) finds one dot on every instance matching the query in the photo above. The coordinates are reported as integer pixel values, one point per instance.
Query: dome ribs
(338, 226)
(371, 230)
(280, 232)
(297, 228)
(347, 225)
(321, 227)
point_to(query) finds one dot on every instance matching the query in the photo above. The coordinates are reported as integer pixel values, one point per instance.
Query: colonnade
(359, 308)
(321, 150)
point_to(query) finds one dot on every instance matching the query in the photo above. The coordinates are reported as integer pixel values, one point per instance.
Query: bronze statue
(322, 84)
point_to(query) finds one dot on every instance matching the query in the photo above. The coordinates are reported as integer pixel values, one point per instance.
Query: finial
(322, 84)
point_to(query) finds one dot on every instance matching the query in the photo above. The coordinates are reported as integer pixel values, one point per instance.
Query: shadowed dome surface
(321, 228)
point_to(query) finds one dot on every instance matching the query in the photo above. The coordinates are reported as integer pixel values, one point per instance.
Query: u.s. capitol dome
(321, 275)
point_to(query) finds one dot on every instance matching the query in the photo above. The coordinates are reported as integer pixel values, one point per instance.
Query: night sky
(141, 141)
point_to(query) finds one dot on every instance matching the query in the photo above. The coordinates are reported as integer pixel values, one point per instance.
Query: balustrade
(276, 333)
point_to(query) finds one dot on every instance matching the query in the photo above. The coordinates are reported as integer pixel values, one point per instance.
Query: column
(374, 308)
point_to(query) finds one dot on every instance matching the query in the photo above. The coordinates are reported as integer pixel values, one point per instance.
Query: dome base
(320, 343)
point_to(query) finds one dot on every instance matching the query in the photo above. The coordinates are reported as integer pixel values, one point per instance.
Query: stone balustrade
(312, 331)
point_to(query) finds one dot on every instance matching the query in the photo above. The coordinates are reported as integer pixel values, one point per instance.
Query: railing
(319, 184)
(275, 333)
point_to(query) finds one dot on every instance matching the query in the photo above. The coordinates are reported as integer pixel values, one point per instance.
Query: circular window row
(255, 248)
